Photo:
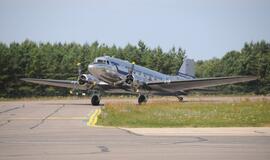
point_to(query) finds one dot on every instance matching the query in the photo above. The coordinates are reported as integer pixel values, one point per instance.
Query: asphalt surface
(57, 129)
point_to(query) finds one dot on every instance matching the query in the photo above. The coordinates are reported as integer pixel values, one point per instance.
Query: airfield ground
(58, 129)
(244, 112)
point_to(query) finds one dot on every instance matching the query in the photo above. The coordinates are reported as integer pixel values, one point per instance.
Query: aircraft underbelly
(109, 77)
(166, 89)
(106, 75)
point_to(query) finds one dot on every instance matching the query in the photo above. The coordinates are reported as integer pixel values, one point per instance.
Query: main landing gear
(95, 98)
(142, 99)
(180, 99)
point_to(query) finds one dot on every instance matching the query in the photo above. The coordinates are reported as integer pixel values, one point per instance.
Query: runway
(57, 129)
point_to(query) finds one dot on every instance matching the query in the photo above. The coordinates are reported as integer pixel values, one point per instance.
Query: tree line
(58, 61)
(252, 59)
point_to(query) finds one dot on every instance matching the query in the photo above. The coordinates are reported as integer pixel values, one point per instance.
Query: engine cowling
(129, 79)
(86, 79)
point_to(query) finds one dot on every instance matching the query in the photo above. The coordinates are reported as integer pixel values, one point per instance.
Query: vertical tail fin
(187, 70)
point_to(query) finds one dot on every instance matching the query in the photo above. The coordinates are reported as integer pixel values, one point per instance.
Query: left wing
(63, 83)
(182, 85)
(56, 83)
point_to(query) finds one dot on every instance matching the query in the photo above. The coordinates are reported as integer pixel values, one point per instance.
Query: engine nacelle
(129, 79)
(86, 79)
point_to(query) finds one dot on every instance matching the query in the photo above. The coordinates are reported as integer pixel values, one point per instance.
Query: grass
(174, 114)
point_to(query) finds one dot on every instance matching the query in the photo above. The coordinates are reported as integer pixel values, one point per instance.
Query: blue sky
(204, 28)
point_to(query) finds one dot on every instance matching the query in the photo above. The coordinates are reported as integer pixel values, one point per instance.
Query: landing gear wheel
(142, 99)
(95, 100)
(181, 99)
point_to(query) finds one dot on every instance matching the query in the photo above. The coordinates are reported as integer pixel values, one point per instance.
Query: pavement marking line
(89, 123)
(67, 118)
(218, 131)
(90, 113)
(50, 118)
(96, 117)
(93, 118)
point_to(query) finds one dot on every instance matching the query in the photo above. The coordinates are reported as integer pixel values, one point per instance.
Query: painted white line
(223, 131)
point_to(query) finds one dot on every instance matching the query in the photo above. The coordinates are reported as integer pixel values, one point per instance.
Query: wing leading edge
(56, 83)
(75, 85)
(182, 85)
(159, 86)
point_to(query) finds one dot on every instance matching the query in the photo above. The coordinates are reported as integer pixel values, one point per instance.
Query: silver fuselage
(110, 70)
(112, 75)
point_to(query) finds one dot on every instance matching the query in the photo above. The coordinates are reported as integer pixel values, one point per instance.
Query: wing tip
(251, 78)
(27, 79)
(24, 79)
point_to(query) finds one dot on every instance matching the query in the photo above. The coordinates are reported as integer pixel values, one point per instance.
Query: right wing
(183, 85)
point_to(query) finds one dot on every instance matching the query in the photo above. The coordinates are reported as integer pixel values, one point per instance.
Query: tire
(181, 99)
(142, 99)
(95, 100)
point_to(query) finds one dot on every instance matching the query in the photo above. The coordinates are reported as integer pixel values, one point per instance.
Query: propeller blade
(79, 69)
(129, 77)
(119, 82)
(132, 68)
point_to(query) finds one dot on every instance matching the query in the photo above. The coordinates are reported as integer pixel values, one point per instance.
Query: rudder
(187, 69)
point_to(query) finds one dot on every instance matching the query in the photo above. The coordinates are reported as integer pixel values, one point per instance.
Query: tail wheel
(181, 99)
(95, 100)
(142, 99)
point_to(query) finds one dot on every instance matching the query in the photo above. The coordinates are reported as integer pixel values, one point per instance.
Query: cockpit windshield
(100, 61)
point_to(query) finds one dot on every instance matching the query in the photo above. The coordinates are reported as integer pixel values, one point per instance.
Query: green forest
(58, 61)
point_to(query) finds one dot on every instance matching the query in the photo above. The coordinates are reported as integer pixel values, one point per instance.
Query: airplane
(112, 75)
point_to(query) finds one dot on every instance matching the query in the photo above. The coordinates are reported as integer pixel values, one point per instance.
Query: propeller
(73, 90)
(79, 69)
(132, 68)
(81, 79)
(129, 77)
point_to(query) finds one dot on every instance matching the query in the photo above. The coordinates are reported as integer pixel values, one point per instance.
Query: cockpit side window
(100, 61)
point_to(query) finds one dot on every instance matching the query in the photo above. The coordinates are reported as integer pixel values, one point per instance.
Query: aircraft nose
(100, 68)
(96, 68)
(91, 68)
